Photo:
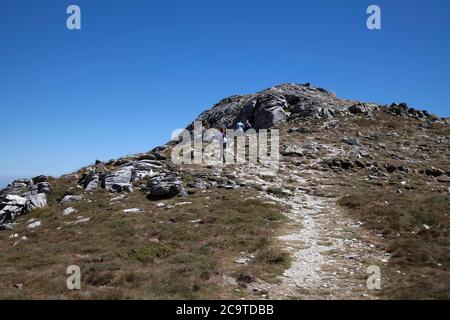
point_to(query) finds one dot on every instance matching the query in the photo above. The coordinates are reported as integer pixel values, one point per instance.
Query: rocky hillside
(359, 185)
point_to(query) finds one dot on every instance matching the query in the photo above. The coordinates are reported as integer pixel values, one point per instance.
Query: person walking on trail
(240, 126)
(247, 125)
(224, 142)
(239, 129)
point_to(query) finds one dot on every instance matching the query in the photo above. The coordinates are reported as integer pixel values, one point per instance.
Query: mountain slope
(358, 185)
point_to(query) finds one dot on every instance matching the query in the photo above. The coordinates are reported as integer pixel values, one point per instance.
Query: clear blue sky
(139, 69)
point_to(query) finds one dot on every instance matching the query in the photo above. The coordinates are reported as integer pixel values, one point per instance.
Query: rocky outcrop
(274, 105)
(21, 197)
(403, 110)
(164, 186)
(122, 176)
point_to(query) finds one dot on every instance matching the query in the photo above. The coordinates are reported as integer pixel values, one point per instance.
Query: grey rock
(165, 186)
(69, 211)
(34, 224)
(122, 187)
(72, 198)
(118, 177)
(360, 108)
(90, 181)
(269, 111)
(351, 141)
(37, 201)
(304, 130)
(390, 168)
(339, 163)
(271, 106)
(434, 172)
(291, 151)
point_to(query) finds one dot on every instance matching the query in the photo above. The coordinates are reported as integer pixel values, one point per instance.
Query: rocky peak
(274, 105)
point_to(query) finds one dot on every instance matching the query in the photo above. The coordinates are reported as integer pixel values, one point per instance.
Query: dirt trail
(329, 257)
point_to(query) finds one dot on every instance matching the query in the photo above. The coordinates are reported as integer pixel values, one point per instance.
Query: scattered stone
(351, 141)
(351, 256)
(390, 168)
(133, 210)
(182, 203)
(118, 198)
(434, 172)
(34, 225)
(81, 220)
(243, 261)
(291, 151)
(72, 198)
(18, 285)
(69, 211)
(122, 187)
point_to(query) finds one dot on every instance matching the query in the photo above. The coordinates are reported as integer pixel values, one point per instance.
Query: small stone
(69, 211)
(133, 210)
(82, 220)
(18, 285)
(34, 225)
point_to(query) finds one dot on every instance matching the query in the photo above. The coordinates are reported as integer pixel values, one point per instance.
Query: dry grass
(410, 210)
(178, 253)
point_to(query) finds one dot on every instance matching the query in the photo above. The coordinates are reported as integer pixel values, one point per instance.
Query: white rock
(38, 200)
(133, 210)
(117, 198)
(84, 220)
(70, 198)
(182, 203)
(34, 225)
(69, 210)
(15, 200)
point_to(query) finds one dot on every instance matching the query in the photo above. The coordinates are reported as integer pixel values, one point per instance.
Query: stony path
(329, 259)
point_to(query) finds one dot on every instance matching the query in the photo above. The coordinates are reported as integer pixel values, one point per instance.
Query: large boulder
(90, 181)
(119, 177)
(269, 111)
(12, 207)
(145, 168)
(165, 186)
(37, 201)
(360, 108)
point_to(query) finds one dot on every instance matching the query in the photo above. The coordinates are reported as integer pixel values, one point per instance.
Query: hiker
(224, 140)
(247, 125)
(239, 129)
